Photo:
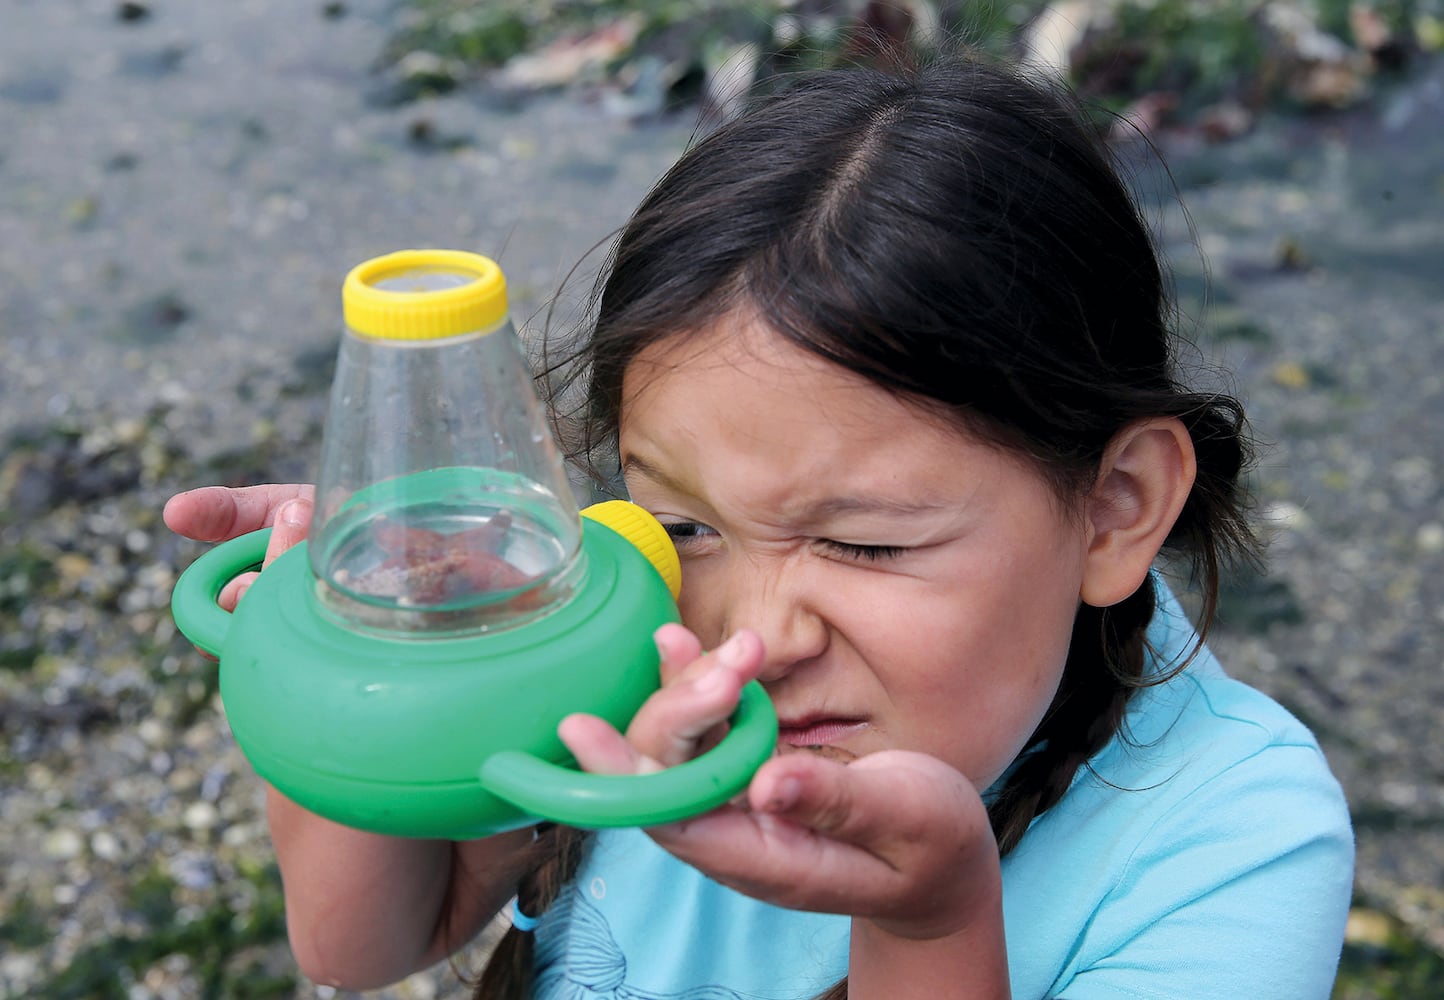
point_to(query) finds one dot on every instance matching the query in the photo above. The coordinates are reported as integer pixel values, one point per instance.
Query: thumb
(883, 799)
(293, 521)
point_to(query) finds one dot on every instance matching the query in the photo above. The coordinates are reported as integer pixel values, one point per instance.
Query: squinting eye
(683, 533)
(867, 553)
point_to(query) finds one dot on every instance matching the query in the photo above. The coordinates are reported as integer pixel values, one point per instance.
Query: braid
(1105, 666)
(558, 853)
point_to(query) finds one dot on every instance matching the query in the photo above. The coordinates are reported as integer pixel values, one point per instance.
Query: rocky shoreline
(147, 352)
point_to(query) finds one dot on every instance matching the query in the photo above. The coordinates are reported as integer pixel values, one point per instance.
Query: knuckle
(834, 810)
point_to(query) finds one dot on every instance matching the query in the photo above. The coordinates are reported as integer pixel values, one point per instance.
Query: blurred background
(183, 186)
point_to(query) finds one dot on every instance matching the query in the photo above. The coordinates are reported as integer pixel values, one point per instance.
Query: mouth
(815, 733)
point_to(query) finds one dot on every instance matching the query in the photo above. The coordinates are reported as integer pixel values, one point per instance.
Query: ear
(1143, 480)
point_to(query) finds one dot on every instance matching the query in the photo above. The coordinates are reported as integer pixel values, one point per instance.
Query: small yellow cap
(646, 533)
(424, 295)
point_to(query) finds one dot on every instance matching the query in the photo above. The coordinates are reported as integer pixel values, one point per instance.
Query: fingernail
(294, 514)
(712, 681)
(732, 652)
(785, 795)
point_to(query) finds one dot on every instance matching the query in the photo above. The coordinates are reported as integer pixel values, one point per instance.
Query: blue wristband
(520, 920)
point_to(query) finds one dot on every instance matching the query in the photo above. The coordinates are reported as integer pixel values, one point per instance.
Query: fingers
(600, 749)
(878, 802)
(673, 726)
(217, 513)
(896, 837)
(234, 590)
(673, 723)
(292, 521)
(678, 648)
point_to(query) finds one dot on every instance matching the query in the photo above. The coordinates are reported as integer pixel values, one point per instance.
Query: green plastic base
(453, 737)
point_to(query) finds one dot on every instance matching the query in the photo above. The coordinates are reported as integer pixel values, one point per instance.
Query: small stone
(73, 568)
(241, 835)
(153, 732)
(81, 212)
(1430, 537)
(200, 816)
(193, 870)
(1291, 375)
(1399, 794)
(1354, 560)
(427, 68)
(1289, 256)
(129, 432)
(63, 845)
(1368, 927)
(420, 987)
(105, 846)
(213, 784)
(39, 777)
(18, 968)
(1285, 515)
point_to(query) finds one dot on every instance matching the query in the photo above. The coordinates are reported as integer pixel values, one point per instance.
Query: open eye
(864, 553)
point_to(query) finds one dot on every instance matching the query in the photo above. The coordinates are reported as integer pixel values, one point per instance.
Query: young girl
(890, 357)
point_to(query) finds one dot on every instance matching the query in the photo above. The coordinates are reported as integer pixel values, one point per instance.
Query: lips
(817, 732)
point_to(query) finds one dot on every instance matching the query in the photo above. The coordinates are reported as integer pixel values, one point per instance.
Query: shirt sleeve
(1240, 889)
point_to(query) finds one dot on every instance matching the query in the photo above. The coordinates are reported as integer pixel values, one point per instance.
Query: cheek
(701, 615)
(972, 689)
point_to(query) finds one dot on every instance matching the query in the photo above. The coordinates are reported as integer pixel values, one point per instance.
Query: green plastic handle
(577, 798)
(193, 602)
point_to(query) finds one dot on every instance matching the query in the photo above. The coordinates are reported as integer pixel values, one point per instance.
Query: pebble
(1368, 927)
(105, 846)
(154, 732)
(1430, 537)
(1284, 515)
(200, 816)
(192, 870)
(420, 988)
(62, 845)
(19, 967)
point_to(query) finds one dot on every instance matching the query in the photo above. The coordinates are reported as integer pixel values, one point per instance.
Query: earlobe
(1143, 480)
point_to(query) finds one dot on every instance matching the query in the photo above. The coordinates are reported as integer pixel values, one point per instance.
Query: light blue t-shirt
(1207, 854)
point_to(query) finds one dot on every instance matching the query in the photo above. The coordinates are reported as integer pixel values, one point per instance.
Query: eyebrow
(817, 511)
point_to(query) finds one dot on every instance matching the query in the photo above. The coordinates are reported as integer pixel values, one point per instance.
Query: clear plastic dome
(443, 505)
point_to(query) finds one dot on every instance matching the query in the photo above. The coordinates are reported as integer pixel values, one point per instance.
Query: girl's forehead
(749, 399)
(742, 354)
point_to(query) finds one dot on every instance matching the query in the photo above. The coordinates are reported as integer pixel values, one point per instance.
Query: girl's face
(914, 587)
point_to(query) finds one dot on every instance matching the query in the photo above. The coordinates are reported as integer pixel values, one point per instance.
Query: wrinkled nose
(771, 598)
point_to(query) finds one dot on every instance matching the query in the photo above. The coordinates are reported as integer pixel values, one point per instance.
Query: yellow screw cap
(424, 295)
(646, 533)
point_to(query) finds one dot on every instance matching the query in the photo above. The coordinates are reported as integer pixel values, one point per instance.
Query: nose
(773, 599)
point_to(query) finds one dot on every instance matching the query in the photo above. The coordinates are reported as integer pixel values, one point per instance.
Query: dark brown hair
(959, 235)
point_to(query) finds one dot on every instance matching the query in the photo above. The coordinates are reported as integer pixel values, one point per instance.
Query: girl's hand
(897, 838)
(220, 513)
(699, 693)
